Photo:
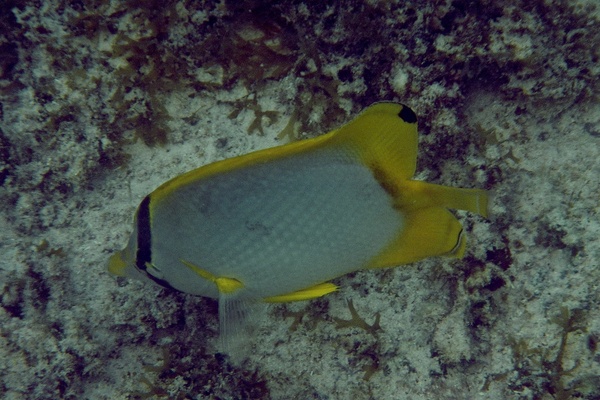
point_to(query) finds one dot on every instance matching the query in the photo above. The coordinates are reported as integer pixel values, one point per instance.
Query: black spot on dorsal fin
(407, 115)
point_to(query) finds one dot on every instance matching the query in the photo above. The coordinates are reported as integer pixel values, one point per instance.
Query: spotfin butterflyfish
(277, 225)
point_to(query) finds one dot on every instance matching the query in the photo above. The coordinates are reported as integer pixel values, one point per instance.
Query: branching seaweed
(537, 368)
(358, 322)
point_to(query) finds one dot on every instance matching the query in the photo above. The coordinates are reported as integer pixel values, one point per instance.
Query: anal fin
(305, 294)
(427, 232)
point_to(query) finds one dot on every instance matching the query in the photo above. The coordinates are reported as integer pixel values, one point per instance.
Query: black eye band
(143, 256)
(144, 235)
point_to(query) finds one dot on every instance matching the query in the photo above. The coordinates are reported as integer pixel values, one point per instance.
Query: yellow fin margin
(234, 163)
(305, 294)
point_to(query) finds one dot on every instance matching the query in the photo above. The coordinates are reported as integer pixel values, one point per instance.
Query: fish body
(278, 224)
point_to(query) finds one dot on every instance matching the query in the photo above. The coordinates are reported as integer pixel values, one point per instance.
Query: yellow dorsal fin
(384, 136)
(224, 285)
(305, 294)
